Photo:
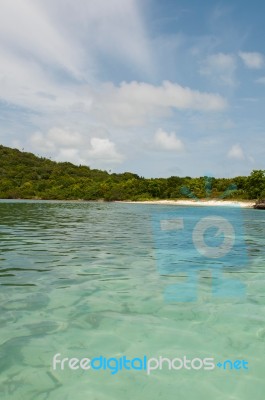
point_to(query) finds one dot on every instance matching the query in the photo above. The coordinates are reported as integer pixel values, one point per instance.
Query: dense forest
(26, 176)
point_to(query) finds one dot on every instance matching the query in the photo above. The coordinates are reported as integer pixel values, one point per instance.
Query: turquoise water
(81, 279)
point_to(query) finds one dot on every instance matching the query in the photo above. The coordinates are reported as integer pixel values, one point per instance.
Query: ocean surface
(85, 279)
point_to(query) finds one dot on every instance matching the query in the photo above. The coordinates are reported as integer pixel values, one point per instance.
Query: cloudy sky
(158, 88)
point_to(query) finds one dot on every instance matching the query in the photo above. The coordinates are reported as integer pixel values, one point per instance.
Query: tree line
(26, 176)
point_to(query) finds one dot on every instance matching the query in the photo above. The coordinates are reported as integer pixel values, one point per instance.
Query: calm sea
(83, 279)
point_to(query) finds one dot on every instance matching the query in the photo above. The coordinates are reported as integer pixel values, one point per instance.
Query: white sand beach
(205, 202)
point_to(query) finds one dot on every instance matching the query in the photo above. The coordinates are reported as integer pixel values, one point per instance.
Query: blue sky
(155, 87)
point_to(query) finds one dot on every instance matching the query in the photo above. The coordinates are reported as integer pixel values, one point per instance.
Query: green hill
(24, 175)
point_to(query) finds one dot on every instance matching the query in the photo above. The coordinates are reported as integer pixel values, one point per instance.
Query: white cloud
(168, 141)
(71, 155)
(104, 149)
(236, 152)
(252, 60)
(113, 29)
(38, 142)
(62, 137)
(73, 37)
(27, 30)
(220, 67)
(50, 50)
(131, 104)
(66, 145)
(25, 83)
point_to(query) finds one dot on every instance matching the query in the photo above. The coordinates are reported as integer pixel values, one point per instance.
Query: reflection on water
(81, 279)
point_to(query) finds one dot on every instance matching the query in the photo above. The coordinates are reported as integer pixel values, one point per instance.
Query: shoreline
(196, 203)
(203, 203)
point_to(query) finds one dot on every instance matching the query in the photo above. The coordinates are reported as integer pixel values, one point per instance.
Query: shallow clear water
(84, 280)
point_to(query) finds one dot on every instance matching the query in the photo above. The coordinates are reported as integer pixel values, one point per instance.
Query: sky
(156, 87)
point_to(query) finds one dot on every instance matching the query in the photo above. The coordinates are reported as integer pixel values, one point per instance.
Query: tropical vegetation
(23, 175)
